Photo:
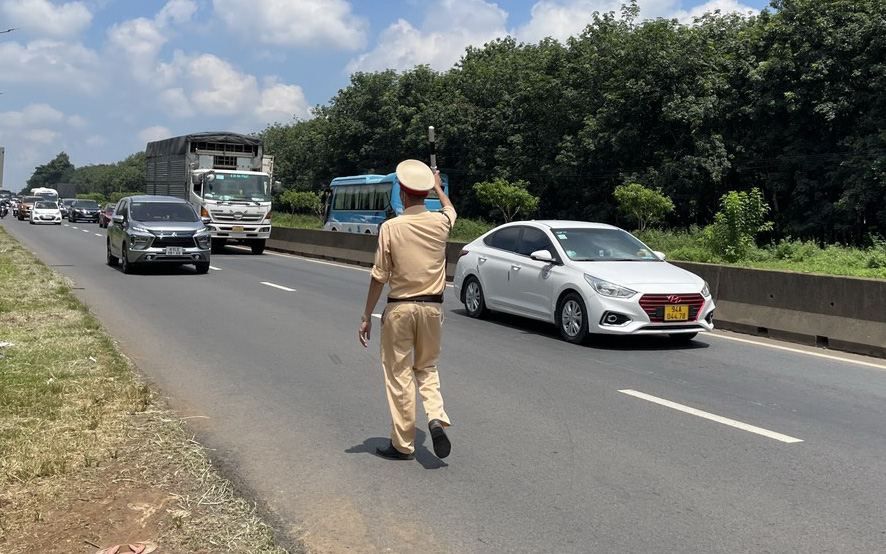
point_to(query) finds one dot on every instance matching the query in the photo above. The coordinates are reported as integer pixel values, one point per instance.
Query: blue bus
(360, 203)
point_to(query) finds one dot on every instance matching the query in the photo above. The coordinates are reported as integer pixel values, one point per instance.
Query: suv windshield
(85, 204)
(589, 245)
(239, 186)
(162, 211)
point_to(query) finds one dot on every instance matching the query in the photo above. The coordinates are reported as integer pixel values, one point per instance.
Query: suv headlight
(706, 290)
(203, 240)
(605, 288)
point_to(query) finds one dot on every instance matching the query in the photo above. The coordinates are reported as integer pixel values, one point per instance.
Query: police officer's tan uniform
(411, 258)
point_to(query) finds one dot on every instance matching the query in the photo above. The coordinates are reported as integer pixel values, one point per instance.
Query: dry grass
(90, 455)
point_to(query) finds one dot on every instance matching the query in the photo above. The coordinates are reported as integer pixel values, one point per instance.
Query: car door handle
(515, 267)
(481, 259)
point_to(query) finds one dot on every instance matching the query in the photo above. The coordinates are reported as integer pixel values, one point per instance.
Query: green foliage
(643, 205)
(100, 198)
(56, 171)
(302, 202)
(467, 230)
(507, 199)
(736, 225)
(116, 196)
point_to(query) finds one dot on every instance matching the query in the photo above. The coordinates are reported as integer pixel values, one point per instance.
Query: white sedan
(587, 278)
(45, 211)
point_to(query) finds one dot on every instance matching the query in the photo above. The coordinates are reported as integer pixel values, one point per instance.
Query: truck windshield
(239, 186)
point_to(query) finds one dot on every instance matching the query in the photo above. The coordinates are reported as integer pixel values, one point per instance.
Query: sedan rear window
(85, 204)
(162, 211)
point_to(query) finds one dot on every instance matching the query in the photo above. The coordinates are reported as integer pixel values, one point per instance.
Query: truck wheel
(257, 245)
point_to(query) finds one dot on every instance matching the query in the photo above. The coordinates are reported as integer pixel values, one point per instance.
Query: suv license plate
(174, 250)
(676, 313)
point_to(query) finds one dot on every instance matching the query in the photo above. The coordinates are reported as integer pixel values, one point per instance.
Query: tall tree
(59, 170)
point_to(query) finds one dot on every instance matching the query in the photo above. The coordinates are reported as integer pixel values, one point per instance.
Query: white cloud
(78, 122)
(42, 18)
(281, 103)
(402, 46)
(43, 136)
(218, 89)
(176, 102)
(177, 12)
(96, 141)
(50, 62)
(561, 19)
(32, 115)
(156, 132)
(322, 23)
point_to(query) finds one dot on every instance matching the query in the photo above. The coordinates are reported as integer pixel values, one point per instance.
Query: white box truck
(225, 176)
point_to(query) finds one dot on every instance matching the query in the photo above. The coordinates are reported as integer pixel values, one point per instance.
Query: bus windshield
(239, 186)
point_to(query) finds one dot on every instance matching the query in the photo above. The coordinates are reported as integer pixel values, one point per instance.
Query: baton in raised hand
(432, 142)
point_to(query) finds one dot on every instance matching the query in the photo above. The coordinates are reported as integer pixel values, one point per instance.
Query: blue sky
(98, 79)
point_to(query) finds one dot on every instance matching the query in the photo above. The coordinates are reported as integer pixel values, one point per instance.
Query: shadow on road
(422, 455)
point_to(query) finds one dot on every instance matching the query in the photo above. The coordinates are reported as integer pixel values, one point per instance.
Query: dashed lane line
(276, 286)
(713, 417)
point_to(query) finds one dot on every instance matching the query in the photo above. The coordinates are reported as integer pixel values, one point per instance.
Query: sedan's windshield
(162, 211)
(587, 245)
(45, 205)
(239, 186)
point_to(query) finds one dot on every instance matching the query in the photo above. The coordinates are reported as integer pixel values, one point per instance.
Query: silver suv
(157, 229)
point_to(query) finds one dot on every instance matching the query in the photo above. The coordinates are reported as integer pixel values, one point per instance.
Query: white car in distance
(45, 211)
(586, 278)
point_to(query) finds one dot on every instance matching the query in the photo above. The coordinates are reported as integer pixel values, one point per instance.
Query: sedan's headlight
(706, 290)
(605, 288)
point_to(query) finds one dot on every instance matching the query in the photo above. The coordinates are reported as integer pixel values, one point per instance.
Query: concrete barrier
(842, 313)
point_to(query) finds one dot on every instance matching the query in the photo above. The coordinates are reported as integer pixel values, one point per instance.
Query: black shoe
(392, 453)
(442, 446)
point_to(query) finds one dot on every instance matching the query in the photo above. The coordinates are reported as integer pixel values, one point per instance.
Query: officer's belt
(436, 298)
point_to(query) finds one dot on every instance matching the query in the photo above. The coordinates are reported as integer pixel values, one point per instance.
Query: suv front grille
(654, 305)
(187, 242)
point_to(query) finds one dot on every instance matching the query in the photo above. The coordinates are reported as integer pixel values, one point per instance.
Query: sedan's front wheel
(475, 304)
(572, 319)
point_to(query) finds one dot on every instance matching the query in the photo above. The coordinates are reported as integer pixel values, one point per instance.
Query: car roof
(157, 198)
(562, 224)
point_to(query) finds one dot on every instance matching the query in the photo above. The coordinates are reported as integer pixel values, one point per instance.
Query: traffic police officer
(411, 258)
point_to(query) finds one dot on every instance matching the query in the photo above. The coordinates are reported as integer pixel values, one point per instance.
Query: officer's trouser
(411, 328)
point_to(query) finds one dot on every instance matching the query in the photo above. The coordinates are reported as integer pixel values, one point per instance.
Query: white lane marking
(85, 230)
(99, 235)
(712, 417)
(212, 267)
(281, 287)
(799, 351)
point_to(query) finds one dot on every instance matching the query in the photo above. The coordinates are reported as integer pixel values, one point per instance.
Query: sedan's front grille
(187, 242)
(654, 305)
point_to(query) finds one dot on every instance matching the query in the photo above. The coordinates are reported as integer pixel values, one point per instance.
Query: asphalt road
(727, 444)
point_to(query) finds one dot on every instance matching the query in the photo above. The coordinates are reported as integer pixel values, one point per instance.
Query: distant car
(65, 206)
(85, 210)
(105, 215)
(24, 207)
(157, 230)
(45, 211)
(586, 278)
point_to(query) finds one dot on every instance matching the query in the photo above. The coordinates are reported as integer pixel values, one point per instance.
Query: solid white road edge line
(712, 417)
(798, 351)
(212, 267)
(281, 287)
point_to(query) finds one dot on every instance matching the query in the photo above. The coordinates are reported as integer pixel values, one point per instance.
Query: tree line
(791, 102)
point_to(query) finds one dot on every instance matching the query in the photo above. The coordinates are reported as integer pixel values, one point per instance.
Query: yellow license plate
(237, 229)
(676, 313)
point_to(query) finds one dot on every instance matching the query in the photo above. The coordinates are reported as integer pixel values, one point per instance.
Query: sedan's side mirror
(117, 218)
(542, 256)
(661, 255)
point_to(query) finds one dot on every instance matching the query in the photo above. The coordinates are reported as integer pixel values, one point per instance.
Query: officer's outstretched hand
(365, 329)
